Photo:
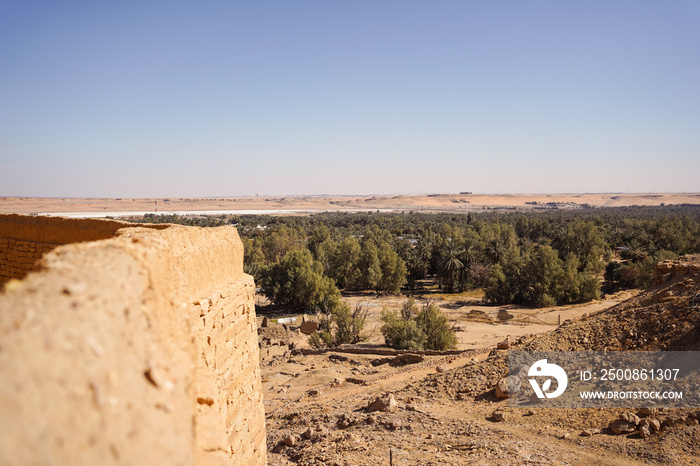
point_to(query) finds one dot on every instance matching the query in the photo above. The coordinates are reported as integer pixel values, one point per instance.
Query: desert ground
(319, 403)
(310, 204)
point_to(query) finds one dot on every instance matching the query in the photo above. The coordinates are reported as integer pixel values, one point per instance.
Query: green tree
(276, 244)
(344, 261)
(393, 270)
(297, 283)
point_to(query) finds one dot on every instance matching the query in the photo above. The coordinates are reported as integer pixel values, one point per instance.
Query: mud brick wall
(135, 347)
(25, 238)
(18, 258)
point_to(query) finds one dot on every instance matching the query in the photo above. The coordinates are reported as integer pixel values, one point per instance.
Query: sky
(295, 97)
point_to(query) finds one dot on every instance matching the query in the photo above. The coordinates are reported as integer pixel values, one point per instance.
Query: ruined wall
(684, 265)
(138, 349)
(18, 258)
(24, 239)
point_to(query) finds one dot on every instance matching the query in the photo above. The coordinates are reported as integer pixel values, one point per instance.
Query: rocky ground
(344, 408)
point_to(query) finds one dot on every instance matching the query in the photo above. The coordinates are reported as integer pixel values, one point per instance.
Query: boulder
(400, 360)
(645, 431)
(508, 386)
(308, 327)
(619, 427)
(408, 358)
(504, 315)
(653, 424)
(279, 448)
(505, 344)
(383, 404)
(630, 417)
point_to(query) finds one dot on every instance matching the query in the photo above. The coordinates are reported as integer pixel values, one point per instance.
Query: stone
(504, 315)
(655, 425)
(345, 421)
(279, 448)
(647, 411)
(505, 344)
(630, 417)
(408, 358)
(383, 404)
(531, 412)
(507, 386)
(289, 441)
(589, 432)
(308, 327)
(619, 427)
(308, 434)
(321, 430)
(670, 421)
(439, 369)
(652, 424)
(645, 431)
(400, 360)
(338, 358)
(498, 415)
(391, 424)
(265, 322)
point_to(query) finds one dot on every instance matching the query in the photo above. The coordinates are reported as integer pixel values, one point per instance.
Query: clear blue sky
(215, 98)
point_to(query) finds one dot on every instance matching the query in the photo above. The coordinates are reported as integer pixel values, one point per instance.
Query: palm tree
(415, 268)
(496, 250)
(423, 254)
(450, 263)
(634, 251)
(468, 258)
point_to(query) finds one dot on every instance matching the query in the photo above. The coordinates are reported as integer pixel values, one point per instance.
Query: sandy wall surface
(139, 349)
(437, 202)
(24, 239)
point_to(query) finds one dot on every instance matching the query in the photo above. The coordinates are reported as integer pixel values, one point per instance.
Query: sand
(310, 204)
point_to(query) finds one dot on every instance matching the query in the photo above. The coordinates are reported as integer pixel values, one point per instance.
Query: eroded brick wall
(137, 349)
(18, 258)
(25, 238)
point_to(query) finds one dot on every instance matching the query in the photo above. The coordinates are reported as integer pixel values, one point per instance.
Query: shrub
(428, 329)
(400, 330)
(439, 335)
(339, 326)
